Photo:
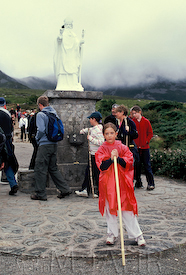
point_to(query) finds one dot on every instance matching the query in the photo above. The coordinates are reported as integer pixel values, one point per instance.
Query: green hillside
(25, 97)
(160, 90)
(9, 82)
(129, 102)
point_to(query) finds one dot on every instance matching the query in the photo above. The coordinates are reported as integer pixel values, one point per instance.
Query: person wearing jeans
(11, 165)
(145, 133)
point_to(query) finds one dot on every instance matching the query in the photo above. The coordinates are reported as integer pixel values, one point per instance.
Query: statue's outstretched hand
(82, 42)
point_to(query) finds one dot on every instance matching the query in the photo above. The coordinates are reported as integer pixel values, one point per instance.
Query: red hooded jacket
(145, 132)
(107, 184)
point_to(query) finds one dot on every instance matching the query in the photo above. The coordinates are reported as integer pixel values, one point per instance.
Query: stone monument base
(71, 172)
(26, 180)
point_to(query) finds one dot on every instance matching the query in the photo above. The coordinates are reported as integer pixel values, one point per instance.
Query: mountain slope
(162, 90)
(47, 83)
(8, 82)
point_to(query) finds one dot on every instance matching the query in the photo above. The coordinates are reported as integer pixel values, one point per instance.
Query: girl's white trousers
(129, 220)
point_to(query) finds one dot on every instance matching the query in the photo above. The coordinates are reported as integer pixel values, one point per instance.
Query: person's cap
(114, 106)
(95, 115)
(2, 101)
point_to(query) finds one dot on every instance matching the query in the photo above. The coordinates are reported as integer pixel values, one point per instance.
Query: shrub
(171, 163)
(168, 119)
(153, 116)
(163, 105)
(106, 106)
(157, 143)
(32, 99)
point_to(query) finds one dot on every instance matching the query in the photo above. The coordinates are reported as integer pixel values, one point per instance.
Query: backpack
(32, 128)
(55, 127)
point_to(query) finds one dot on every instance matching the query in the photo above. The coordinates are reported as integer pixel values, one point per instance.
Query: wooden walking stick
(127, 137)
(90, 168)
(119, 210)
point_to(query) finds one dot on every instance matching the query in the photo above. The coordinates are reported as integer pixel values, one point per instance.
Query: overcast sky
(126, 41)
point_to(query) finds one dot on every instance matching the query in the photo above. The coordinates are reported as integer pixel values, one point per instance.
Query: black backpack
(32, 128)
(55, 127)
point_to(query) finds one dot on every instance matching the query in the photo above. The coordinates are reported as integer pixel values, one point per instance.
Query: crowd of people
(23, 119)
(125, 137)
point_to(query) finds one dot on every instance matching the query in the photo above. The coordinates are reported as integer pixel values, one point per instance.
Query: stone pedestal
(73, 108)
(26, 180)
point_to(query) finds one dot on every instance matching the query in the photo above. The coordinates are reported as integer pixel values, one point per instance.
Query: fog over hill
(161, 89)
(47, 83)
(9, 82)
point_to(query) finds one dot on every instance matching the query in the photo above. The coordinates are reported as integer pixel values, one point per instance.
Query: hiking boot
(139, 185)
(62, 195)
(110, 239)
(150, 187)
(140, 240)
(82, 193)
(35, 197)
(13, 190)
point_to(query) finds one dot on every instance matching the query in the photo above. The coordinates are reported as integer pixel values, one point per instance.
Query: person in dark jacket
(3, 150)
(32, 130)
(127, 133)
(11, 166)
(112, 118)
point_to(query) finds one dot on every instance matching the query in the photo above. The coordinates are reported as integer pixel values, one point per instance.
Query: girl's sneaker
(110, 239)
(140, 240)
(82, 193)
(150, 187)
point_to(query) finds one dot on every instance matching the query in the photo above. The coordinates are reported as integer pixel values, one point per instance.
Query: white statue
(67, 59)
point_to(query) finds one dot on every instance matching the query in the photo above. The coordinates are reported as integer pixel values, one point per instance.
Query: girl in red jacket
(145, 134)
(107, 186)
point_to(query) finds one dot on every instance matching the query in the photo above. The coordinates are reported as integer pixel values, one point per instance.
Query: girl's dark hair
(109, 125)
(137, 109)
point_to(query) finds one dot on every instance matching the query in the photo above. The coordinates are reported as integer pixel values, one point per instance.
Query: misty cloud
(126, 42)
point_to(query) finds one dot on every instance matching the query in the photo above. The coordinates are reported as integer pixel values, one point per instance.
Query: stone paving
(73, 227)
(168, 262)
